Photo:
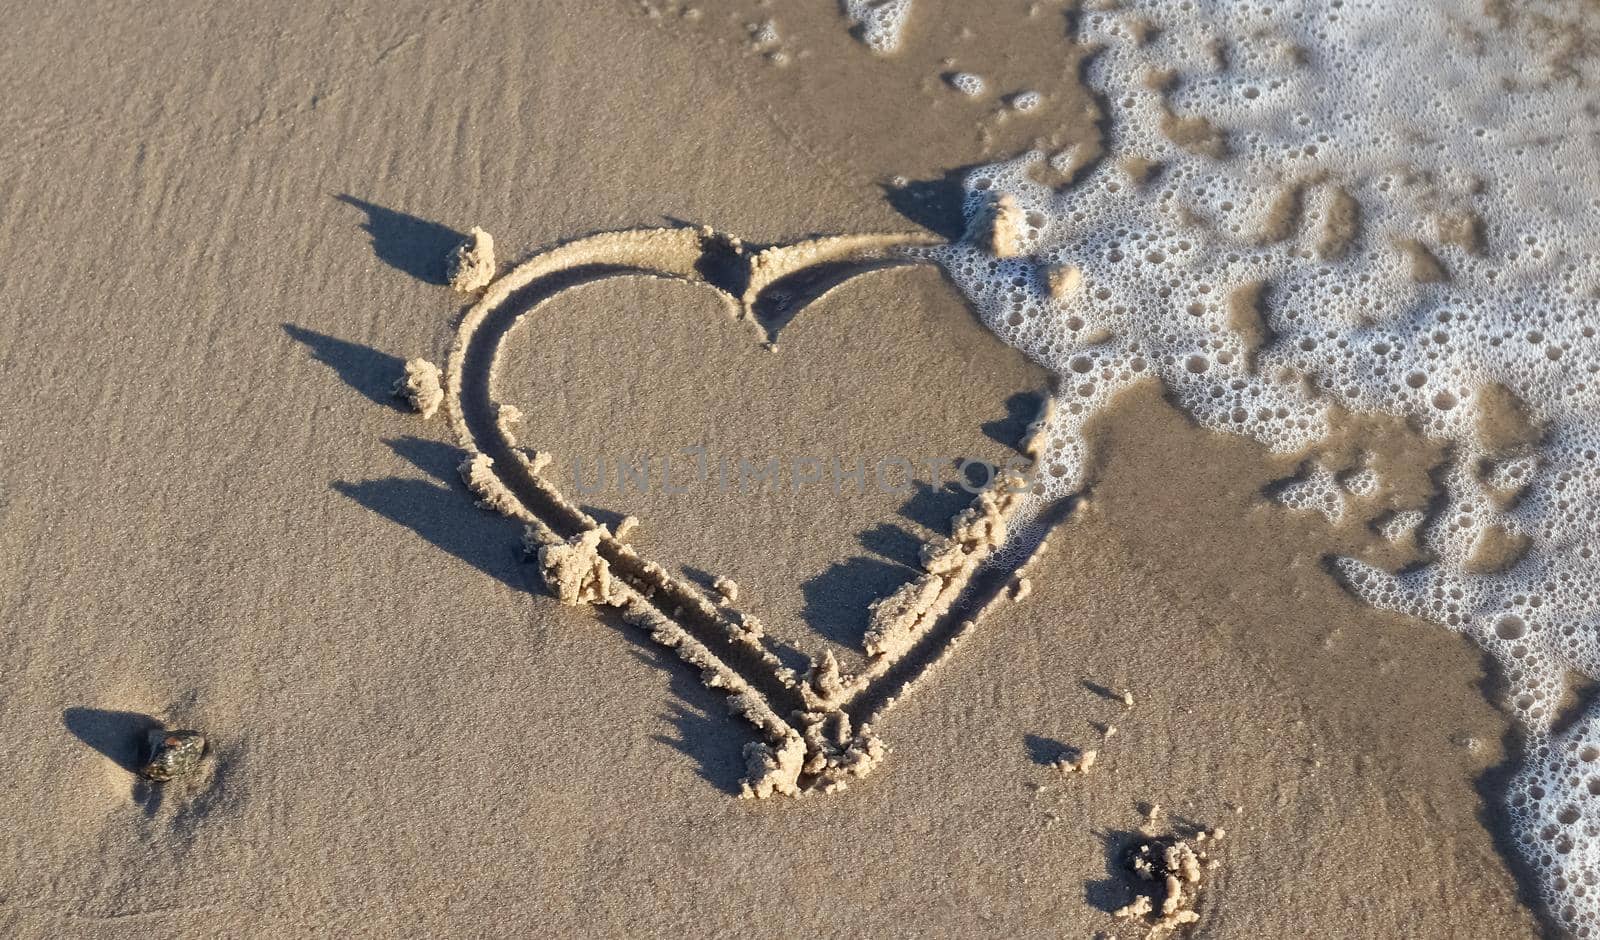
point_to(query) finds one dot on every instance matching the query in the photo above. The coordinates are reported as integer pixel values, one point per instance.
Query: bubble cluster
(967, 83)
(1320, 491)
(1026, 101)
(878, 23)
(1401, 524)
(1309, 209)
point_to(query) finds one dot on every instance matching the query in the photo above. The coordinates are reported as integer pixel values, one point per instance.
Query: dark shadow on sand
(1046, 751)
(786, 297)
(1104, 692)
(1120, 885)
(893, 543)
(933, 204)
(124, 737)
(442, 511)
(1493, 785)
(405, 242)
(932, 507)
(1010, 431)
(836, 601)
(368, 371)
(705, 732)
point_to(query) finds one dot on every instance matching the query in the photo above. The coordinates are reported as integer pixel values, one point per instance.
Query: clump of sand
(577, 574)
(420, 386)
(999, 228)
(1173, 871)
(1063, 280)
(825, 679)
(836, 752)
(772, 769)
(1081, 764)
(471, 263)
(478, 473)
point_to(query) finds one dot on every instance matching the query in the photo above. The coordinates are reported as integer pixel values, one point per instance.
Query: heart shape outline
(826, 739)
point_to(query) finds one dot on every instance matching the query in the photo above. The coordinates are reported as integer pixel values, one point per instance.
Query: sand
(225, 236)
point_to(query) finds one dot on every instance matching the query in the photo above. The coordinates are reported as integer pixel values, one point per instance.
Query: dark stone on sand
(173, 754)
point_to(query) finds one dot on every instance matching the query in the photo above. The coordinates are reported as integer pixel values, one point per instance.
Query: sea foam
(1313, 208)
(878, 23)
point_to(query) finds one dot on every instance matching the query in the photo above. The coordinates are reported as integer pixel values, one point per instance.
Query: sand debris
(470, 266)
(1062, 280)
(506, 418)
(625, 527)
(835, 753)
(726, 588)
(1138, 908)
(1174, 872)
(577, 574)
(1078, 765)
(1021, 590)
(897, 620)
(1127, 698)
(773, 769)
(999, 230)
(824, 679)
(478, 473)
(539, 459)
(420, 386)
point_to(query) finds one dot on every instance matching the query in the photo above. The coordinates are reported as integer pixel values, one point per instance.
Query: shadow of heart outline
(827, 738)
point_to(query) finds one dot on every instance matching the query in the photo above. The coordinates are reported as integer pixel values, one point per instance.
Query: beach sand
(225, 231)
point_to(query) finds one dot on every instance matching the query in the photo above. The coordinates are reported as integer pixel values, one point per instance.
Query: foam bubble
(1320, 491)
(1026, 101)
(1335, 206)
(967, 83)
(879, 23)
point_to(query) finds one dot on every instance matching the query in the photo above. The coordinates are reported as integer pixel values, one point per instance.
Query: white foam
(880, 24)
(1401, 524)
(1362, 481)
(967, 83)
(1319, 492)
(1026, 101)
(1443, 165)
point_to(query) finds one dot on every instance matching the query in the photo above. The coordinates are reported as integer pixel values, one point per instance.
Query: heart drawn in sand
(814, 726)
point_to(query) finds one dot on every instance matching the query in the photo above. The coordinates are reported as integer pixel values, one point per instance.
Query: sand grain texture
(216, 516)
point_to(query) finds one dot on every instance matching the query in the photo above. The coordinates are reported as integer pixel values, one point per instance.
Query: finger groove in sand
(815, 730)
